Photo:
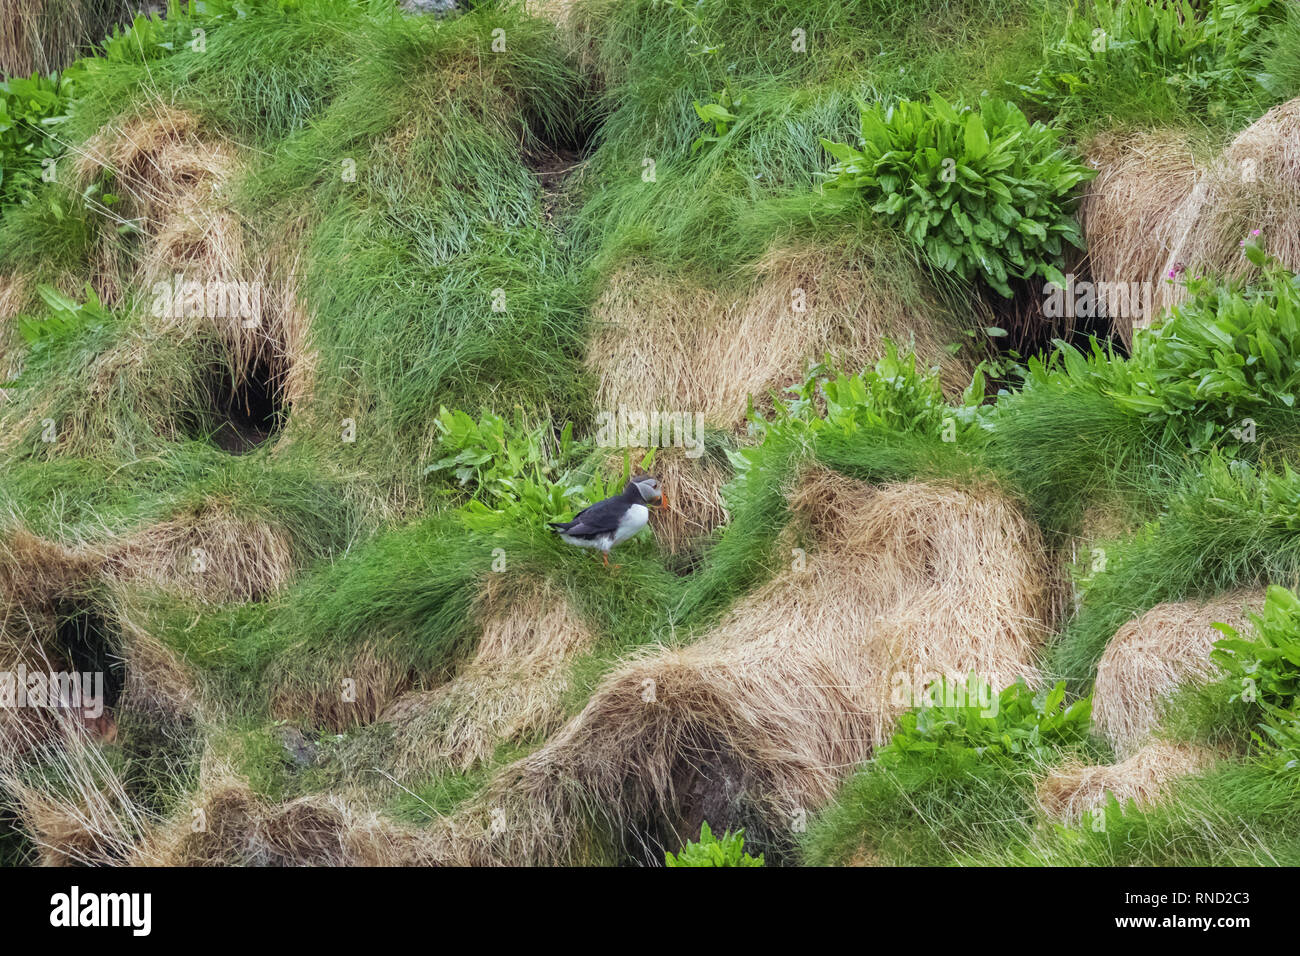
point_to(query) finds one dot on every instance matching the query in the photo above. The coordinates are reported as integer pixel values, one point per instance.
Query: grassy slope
(399, 268)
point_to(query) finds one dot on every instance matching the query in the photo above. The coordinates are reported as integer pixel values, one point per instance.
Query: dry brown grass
(169, 177)
(34, 574)
(34, 571)
(174, 181)
(558, 11)
(509, 692)
(208, 555)
(40, 36)
(1128, 211)
(228, 824)
(288, 352)
(765, 715)
(577, 26)
(1254, 184)
(1151, 656)
(125, 381)
(76, 810)
(214, 829)
(339, 695)
(327, 831)
(158, 682)
(694, 490)
(1074, 789)
(1157, 206)
(24, 729)
(665, 345)
(13, 295)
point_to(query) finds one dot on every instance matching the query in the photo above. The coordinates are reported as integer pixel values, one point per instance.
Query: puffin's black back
(602, 517)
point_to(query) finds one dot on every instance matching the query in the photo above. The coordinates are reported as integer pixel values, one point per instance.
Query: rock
(437, 8)
(300, 750)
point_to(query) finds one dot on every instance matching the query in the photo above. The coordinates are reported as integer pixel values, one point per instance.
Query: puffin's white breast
(633, 520)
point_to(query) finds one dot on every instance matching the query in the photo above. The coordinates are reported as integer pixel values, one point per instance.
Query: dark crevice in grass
(91, 644)
(1031, 331)
(244, 411)
(16, 846)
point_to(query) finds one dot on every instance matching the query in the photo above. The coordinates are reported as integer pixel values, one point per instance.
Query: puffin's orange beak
(663, 502)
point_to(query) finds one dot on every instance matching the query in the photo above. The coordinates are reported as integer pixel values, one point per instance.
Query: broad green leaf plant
(712, 851)
(1265, 670)
(521, 475)
(982, 192)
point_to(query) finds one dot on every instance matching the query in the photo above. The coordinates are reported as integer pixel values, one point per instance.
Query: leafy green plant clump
(153, 37)
(957, 775)
(1223, 359)
(1018, 726)
(888, 422)
(1228, 352)
(894, 395)
(982, 192)
(64, 320)
(516, 474)
(30, 110)
(1266, 670)
(712, 851)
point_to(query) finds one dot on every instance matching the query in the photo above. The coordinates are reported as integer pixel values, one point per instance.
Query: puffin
(614, 520)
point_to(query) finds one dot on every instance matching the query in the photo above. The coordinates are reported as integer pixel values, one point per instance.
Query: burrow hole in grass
(711, 786)
(90, 646)
(243, 411)
(556, 152)
(1031, 331)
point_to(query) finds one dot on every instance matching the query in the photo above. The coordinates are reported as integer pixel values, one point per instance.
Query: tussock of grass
(1152, 656)
(1075, 789)
(1128, 212)
(1221, 531)
(41, 37)
(699, 346)
(321, 654)
(1251, 186)
(918, 816)
(1065, 445)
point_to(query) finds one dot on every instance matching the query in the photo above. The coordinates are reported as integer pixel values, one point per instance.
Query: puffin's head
(646, 490)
